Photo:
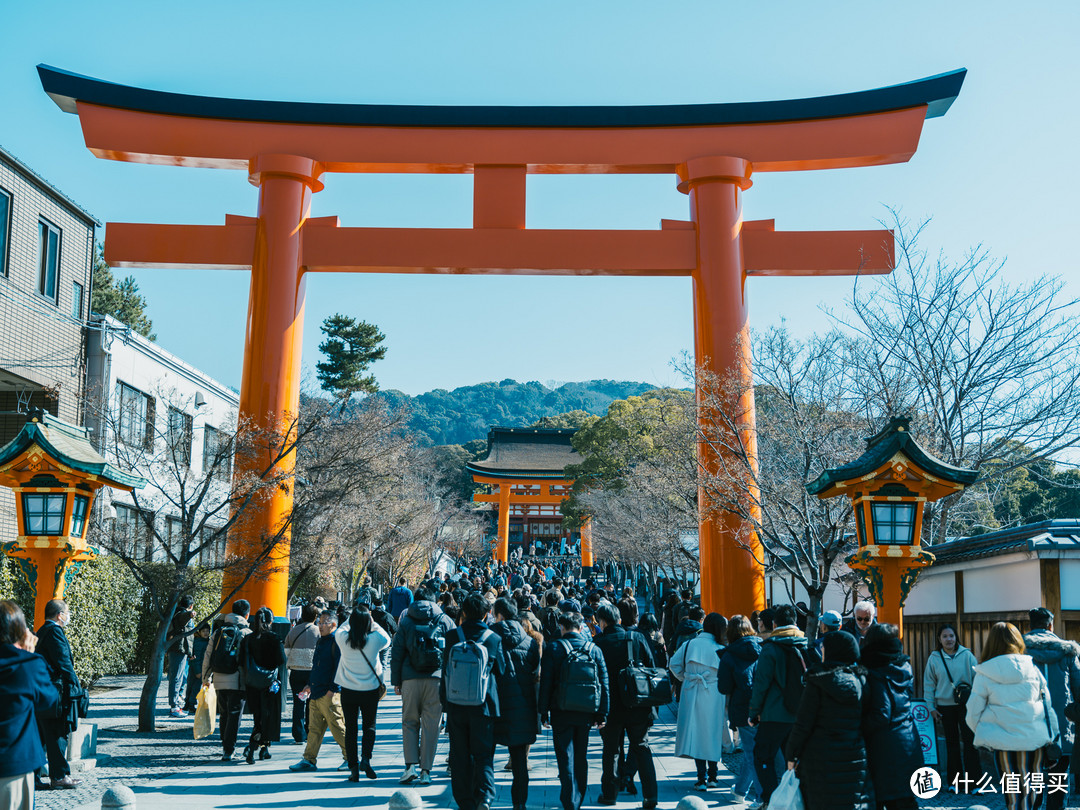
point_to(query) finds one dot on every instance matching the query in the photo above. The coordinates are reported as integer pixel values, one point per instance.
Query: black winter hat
(840, 648)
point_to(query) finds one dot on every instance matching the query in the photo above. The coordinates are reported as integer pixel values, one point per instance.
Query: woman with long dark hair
(359, 675)
(701, 731)
(261, 656)
(951, 665)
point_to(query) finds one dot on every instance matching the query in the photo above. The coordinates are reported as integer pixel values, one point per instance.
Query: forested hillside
(466, 413)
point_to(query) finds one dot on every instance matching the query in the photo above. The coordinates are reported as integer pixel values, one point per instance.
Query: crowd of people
(499, 653)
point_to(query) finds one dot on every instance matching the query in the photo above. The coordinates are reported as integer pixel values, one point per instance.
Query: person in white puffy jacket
(1008, 710)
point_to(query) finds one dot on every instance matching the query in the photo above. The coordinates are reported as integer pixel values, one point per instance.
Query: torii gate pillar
(731, 580)
(270, 383)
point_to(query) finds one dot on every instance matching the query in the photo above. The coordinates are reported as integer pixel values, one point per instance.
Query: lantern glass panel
(78, 515)
(43, 513)
(894, 523)
(860, 524)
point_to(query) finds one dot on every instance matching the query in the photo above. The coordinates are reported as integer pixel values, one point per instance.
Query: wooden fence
(920, 632)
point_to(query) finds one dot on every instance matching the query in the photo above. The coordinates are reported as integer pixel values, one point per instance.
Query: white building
(165, 408)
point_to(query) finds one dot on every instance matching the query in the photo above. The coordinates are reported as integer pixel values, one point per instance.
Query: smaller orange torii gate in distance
(710, 150)
(524, 469)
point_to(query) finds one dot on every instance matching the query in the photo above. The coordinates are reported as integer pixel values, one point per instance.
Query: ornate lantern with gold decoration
(55, 473)
(888, 486)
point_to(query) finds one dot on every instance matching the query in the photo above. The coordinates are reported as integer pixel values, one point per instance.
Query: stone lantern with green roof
(888, 485)
(55, 473)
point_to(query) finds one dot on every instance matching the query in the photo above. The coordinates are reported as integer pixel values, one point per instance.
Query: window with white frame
(136, 417)
(48, 258)
(179, 437)
(217, 453)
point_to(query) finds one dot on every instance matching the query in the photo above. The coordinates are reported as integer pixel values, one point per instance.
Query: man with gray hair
(864, 618)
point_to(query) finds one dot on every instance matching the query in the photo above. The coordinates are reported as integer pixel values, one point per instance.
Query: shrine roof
(68, 444)
(894, 438)
(527, 453)
(1047, 539)
(936, 92)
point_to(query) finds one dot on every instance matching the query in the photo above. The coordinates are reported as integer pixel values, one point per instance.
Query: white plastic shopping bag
(787, 795)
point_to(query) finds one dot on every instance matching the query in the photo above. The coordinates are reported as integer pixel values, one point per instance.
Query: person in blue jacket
(25, 690)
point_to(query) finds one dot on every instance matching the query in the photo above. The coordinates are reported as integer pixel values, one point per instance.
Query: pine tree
(350, 347)
(122, 300)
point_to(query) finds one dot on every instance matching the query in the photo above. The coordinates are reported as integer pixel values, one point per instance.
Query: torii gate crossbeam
(713, 149)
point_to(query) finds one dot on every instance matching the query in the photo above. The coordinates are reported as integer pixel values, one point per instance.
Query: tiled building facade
(46, 256)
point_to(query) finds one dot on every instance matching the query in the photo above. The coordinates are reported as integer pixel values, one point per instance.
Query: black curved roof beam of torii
(936, 92)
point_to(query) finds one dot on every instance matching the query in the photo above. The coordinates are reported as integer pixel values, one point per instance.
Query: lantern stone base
(82, 747)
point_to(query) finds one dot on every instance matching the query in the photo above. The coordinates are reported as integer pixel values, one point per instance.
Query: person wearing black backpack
(468, 690)
(574, 697)
(221, 667)
(517, 723)
(415, 672)
(777, 690)
(261, 656)
(622, 648)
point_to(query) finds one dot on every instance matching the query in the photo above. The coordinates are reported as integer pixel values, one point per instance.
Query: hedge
(112, 628)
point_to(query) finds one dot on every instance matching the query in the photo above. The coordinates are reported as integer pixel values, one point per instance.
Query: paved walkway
(171, 771)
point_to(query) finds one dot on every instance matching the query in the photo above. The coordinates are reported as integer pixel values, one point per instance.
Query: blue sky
(998, 169)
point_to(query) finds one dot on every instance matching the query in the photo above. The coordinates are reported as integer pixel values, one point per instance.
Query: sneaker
(425, 778)
(304, 765)
(712, 783)
(738, 798)
(700, 786)
(411, 773)
(344, 766)
(227, 757)
(178, 713)
(65, 783)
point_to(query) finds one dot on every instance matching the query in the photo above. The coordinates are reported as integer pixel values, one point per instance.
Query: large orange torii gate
(713, 149)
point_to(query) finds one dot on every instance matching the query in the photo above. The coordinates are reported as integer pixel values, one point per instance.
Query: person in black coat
(472, 728)
(570, 729)
(826, 744)
(263, 648)
(621, 648)
(53, 646)
(735, 678)
(26, 690)
(516, 725)
(892, 743)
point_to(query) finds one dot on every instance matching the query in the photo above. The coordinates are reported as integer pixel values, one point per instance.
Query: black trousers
(770, 739)
(959, 738)
(230, 708)
(706, 769)
(637, 751)
(571, 740)
(519, 768)
(472, 755)
(298, 679)
(54, 735)
(362, 706)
